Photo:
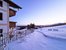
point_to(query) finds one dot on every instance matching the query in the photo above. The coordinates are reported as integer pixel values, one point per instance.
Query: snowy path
(37, 41)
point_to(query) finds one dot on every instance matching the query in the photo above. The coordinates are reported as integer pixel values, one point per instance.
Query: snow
(57, 32)
(41, 39)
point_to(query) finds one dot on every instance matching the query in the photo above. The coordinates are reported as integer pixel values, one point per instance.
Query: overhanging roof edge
(12, 4)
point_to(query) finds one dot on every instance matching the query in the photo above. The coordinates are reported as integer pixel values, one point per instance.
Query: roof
(12, 4)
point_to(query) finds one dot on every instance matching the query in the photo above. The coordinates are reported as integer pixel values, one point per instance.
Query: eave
(12, 4)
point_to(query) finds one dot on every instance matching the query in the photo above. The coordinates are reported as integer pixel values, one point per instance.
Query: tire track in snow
(48, 36)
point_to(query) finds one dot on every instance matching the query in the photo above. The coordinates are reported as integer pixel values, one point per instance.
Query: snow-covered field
(50, 38)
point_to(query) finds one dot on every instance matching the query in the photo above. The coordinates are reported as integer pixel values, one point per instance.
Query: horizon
(40, 12)
(56, 24)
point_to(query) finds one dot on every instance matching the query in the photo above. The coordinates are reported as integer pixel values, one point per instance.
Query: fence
(15, 36)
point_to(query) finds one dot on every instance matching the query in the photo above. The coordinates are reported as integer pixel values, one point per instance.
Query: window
(1, 16)
(1, 4)
(1, 30)
(1, 34)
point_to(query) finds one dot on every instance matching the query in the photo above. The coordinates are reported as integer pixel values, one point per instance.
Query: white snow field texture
(50, 38)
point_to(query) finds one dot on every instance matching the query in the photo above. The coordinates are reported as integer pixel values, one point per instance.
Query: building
(7, 10)
(12, 24)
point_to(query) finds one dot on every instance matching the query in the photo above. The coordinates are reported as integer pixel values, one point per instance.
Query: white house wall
(5, 29)
(4, 10)
(4, 24)
(5, 18)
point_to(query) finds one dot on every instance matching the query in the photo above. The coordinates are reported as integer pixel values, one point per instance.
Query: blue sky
(40, 12)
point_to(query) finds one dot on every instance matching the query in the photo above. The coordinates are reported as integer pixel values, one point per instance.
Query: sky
(40, 12)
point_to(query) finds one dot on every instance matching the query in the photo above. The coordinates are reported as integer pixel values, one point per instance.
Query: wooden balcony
(12, 12)
(12, 24)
